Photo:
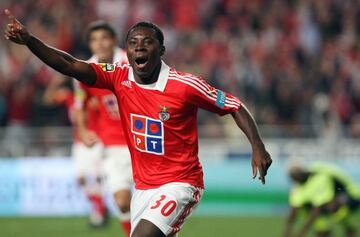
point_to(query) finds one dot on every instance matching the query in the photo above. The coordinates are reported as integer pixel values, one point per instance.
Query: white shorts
(167, 207)
(117, 168)
(88, 160)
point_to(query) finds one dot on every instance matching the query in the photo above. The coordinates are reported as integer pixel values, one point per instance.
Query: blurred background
(294, 63)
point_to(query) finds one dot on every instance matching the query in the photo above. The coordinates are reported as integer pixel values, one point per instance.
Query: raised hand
(15, 31)
(261, 162)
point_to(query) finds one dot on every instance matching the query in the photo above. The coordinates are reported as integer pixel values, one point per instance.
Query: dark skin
(144, 52)
(143, 46)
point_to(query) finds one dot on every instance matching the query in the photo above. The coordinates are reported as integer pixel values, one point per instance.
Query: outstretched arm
(57, 59)
(261, 159)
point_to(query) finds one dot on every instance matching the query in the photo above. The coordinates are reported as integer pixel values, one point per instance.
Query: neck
(109, 59)
(146, 80)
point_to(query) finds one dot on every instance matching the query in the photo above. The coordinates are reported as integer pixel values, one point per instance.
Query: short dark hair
(159, 34)
(99, 25)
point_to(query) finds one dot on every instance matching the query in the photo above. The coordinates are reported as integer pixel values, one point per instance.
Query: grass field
(195, 227)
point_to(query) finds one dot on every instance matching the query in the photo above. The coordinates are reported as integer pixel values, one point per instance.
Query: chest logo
(164, 114)
(148, 134)
(126, 83)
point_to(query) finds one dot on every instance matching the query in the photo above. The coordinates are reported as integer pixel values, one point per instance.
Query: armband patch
(220, 99)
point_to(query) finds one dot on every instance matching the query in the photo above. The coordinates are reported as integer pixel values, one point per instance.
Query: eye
(147, 41)
(132, 42)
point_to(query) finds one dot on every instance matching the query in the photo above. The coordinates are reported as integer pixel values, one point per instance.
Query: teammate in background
(87, 158)
(158, 106)
(102, 41)
(325, 196)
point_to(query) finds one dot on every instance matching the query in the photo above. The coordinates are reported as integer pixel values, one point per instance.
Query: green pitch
(196, 226)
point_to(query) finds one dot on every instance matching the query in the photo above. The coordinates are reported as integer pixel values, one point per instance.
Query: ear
(162, 50)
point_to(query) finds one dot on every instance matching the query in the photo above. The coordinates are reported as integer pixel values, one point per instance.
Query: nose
(139, 46)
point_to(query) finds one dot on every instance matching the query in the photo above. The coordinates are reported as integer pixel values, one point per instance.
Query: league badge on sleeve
(164, 115)
(107, 67)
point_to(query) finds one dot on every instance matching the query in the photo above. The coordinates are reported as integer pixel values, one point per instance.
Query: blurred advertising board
(47, 187)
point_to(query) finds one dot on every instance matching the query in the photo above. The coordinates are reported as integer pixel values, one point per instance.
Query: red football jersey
(80, 100)
(108, 124)
(160, 121)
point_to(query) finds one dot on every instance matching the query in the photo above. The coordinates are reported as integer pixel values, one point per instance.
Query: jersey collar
(160, 84)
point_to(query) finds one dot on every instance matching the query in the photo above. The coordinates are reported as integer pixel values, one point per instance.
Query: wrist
(27, 39)
(258, 145)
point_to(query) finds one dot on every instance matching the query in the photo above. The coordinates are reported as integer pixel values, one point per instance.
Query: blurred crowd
(295, 64)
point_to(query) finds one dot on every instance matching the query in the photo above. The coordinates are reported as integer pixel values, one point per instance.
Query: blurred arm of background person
(55, 93)
(57, 59)
(88, 137)
(293, 213)
(261, 159)
(314, 213)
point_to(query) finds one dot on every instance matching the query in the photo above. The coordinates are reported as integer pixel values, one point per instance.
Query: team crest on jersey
(164, 115)
(107, 67)
(148, 134)
(111, 106)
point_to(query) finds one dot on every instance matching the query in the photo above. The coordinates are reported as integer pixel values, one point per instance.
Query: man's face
(144, 52)
(102, 44)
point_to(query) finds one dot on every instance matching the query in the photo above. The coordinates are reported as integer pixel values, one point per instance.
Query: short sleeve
(203, 95)
(107, 75)
(297, 197)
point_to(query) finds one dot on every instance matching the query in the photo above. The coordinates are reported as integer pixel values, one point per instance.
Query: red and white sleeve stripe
(204, 88)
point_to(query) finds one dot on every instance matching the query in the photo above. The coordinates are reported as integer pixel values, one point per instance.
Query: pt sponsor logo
(148, 134)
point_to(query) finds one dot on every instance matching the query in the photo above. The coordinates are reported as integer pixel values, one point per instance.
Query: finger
(262, 178)
(10, 27)
(264, 168)
(9, 15)
(13, 19)
(8, 34)
(254, 170)
(261, 174)
(267, 165)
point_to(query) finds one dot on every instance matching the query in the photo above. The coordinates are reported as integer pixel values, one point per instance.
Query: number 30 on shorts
(168, 207)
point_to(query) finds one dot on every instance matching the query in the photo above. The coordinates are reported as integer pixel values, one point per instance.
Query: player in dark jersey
(158, 107)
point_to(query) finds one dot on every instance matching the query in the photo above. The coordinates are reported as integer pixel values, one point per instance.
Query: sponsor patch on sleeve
(220, 99)
(107, 67)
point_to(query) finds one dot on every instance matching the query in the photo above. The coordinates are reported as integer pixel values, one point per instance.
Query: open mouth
(141, 61)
